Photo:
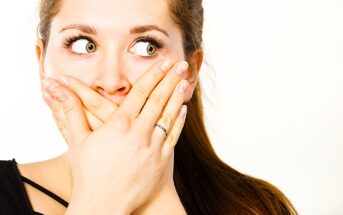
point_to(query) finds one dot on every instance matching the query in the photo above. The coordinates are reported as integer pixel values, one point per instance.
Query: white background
(277, 104)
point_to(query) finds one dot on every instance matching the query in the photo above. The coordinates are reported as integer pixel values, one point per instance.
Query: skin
(107, 75)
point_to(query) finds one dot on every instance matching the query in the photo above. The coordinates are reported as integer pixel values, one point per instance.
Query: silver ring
(163, 128)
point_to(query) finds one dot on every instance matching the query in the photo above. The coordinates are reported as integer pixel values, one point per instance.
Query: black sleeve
(13, 197)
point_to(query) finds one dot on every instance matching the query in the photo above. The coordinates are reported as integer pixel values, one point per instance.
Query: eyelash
(153, 40)
(148, 38)
(70, 40)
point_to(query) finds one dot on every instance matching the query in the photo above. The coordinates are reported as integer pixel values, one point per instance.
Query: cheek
(57, 63)
(51, 68)
(136, 68)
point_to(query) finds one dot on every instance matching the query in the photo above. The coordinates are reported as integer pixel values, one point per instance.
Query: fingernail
(183, 86)
(65, 81)
(181, 68)
(165, 66)
(183, 111)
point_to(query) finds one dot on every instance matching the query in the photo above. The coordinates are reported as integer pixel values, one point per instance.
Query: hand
(97, 108)
(129, 133)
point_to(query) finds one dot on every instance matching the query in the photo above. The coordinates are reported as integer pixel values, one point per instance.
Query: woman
(120, 78)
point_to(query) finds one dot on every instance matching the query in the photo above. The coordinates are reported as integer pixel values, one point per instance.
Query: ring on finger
(162, 128)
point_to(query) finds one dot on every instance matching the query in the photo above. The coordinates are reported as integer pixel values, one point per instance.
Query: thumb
(74, 115)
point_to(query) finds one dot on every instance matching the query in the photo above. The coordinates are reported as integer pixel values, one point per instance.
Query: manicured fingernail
(65, 81)
(181, 68)
(183, 111)
(165, 65)
(183, 86)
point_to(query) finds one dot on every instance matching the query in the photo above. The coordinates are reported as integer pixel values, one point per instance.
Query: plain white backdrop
(276, 108)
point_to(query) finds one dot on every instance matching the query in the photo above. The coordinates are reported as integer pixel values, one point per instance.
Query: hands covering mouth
(117, 153)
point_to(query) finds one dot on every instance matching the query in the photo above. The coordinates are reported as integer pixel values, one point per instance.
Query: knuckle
(140, 132)
(167, 120)
(93, 103)
(177, 99)
(157, 99)
(171, 141)
(76, 84)
(156, 74)
(55, 90)
(141, 91)
(70, 110)
(173, 80)
(122, 123)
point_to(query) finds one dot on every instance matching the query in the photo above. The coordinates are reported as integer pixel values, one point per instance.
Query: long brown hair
(205, 184)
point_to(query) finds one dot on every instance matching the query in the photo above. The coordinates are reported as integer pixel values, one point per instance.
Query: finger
(57, 112)
(136, 98)
(98, 105)
(173, 137)
(93, 121)
(62, 127)
(56, 107)
(169, 114)
(73, 111)
(161, 94)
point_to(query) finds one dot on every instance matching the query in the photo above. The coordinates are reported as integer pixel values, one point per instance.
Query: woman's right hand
(117, 166)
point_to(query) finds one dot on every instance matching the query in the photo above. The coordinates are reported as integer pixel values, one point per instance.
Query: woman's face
(109, 44)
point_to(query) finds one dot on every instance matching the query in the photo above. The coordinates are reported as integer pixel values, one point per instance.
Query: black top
(13, 197)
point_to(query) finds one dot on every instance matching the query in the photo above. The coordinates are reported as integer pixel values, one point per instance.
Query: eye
(80, 44)
(144, 48)
(83, 46)
(147, 46)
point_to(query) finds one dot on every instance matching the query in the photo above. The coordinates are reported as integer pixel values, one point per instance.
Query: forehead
(114, 14)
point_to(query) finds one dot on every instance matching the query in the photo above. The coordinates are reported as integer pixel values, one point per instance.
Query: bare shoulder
(42, 171)
(50, 174)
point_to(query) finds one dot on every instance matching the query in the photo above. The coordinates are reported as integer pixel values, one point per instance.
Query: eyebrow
(81, 27)
(135, 30)
(145, 28)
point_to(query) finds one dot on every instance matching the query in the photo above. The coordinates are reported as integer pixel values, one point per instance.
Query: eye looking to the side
(147, 46)
(80, 44)
(83, 46)
(144, 49)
